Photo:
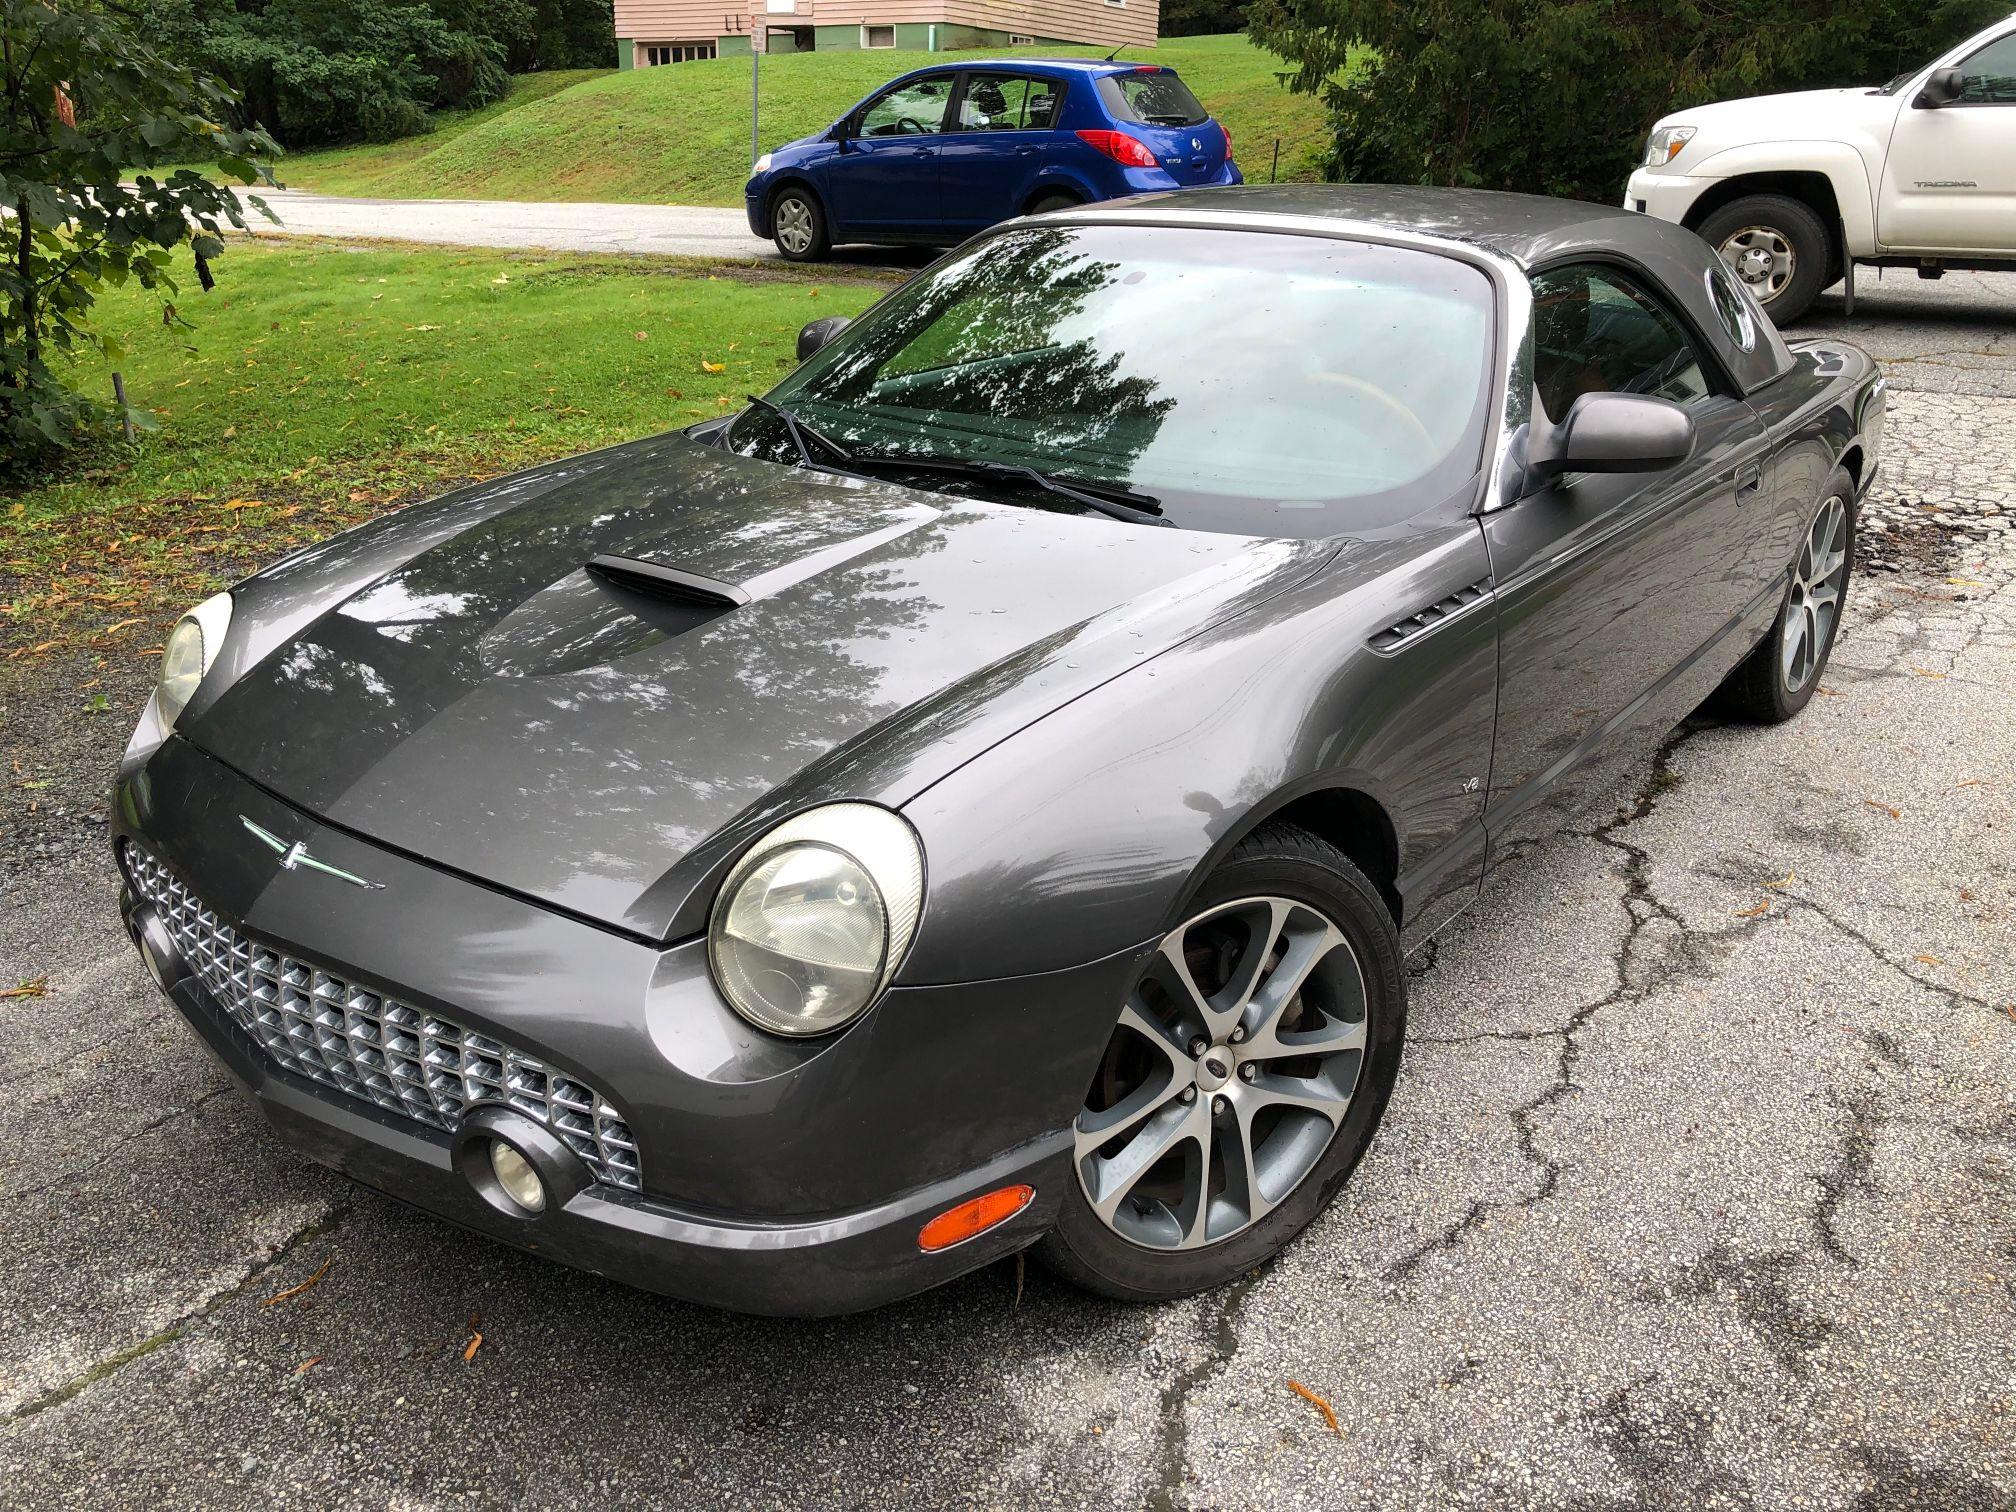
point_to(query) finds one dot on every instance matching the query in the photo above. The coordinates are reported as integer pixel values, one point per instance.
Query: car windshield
(1246, 382)
(1152, 96)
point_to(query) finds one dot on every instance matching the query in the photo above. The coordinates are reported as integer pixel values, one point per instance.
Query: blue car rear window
(1153, 99)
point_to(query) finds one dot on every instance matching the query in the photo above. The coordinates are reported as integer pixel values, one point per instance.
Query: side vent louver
(1418, 624)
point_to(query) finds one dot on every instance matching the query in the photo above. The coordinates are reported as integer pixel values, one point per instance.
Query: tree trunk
(31, 315)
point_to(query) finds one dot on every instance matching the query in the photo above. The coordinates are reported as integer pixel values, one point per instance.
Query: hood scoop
(655, 580)
(610, 608)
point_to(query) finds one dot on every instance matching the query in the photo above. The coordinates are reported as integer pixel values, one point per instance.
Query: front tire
(1777, 679)
(1245, 1076)
(798, 225)
(1778, 246)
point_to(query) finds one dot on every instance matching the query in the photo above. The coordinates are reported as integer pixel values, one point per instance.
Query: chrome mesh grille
(374, 1047)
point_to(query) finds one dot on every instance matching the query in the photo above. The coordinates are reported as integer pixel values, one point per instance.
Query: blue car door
(884, 177)
(993, 147)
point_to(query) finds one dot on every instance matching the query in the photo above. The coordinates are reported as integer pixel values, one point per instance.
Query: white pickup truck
(1796, 189)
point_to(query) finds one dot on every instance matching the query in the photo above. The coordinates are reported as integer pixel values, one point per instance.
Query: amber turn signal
(970, 1218)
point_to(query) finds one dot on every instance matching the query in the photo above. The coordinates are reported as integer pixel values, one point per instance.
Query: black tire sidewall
(820, 243)
(1047, 203)
(1088, 1252)
(1812, 245)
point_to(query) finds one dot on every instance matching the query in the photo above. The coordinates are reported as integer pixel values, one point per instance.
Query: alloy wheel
(1763, 258)
(1235, 1060)
(1815, 603)
(793, 223)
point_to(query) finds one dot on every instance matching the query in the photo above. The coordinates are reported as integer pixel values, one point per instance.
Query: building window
(1016, 39)
(659, 53)
(878, 36)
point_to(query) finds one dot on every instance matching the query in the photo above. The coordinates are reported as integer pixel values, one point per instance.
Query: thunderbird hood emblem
(295, 854)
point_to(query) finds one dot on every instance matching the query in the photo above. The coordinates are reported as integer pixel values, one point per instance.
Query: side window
(1007, 102)
(1596, 331)
(1989, 77)
(913, 109)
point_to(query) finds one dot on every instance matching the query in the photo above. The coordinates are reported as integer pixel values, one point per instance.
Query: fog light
(515, 1175)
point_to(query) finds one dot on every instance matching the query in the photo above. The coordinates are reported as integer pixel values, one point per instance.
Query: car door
(993, 146)
(884, 178)
(1949, 180)
(1610, 585)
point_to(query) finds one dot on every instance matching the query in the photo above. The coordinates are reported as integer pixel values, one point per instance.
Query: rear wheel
(1778, 246)
(1777, 679)
(1246, 1073)
(1056, 200)
(798, 225)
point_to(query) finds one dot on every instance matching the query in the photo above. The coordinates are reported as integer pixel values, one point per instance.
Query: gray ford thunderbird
(981, 794)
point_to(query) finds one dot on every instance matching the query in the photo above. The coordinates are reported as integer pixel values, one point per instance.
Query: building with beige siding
(652, 33)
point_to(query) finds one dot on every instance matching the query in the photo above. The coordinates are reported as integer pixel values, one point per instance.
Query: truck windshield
(1245, 381)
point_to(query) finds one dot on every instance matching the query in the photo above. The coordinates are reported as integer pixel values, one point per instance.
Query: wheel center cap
(1214, 1069)
(1754, 263)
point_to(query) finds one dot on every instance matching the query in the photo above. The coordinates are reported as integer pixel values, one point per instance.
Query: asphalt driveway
(638, 230)
(1699, 1187)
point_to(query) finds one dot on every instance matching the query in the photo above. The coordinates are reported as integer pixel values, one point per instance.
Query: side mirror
(816, 333)
(1943, 88)
(1614, 433)
(842, 132)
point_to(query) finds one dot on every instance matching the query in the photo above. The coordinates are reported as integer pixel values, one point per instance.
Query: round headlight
(814, 919)
(191, 650)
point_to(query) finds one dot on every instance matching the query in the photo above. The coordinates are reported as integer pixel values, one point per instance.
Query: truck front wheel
(1778, 246)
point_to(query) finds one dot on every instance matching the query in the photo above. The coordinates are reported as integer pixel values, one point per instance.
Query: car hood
(495, 706)
(1808, 115)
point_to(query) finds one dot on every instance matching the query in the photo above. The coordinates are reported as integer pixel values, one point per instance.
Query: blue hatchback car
(949, 150)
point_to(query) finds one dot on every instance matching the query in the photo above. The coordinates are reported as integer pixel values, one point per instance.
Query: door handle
(1748, 481)
(1025, 152)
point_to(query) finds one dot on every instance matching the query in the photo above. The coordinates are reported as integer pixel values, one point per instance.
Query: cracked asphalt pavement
(1696, 1190)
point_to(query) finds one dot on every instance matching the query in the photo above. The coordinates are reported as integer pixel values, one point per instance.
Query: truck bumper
(1664, 196)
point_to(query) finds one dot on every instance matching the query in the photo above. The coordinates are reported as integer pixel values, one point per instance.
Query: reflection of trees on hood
(985, 340)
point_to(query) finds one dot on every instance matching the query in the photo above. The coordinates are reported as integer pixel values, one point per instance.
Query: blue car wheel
(798, 225)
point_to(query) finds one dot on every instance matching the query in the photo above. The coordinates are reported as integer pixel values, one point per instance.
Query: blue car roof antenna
(1113, 54)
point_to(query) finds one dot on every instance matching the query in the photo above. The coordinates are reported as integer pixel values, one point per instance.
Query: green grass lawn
(680, 135)
(324, 384)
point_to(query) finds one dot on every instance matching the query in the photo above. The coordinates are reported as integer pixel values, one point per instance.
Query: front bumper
(777, 1177)
(1664, 196)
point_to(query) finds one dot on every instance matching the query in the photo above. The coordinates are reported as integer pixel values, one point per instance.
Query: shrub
(83, 102)
(1555, 96)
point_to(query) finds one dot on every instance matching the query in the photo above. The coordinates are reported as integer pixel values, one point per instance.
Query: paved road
(1699, 1187)
(661, 230)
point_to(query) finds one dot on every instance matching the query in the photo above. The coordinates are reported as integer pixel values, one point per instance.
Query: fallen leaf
(712, 367)
(1893, 813)
(1925, 960)
(1966, 583)
(1785, 881)
(469, 1352)
(643, 335)
(1751, 913)
(1927, 672)
(1329, 1416)
(308, 1364)
(1020, 1267)
(1970, 782)
(34, 987)
(295, 1291)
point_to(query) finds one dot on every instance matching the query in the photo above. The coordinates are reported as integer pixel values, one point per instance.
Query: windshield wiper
(1134, 508)
(799, 430)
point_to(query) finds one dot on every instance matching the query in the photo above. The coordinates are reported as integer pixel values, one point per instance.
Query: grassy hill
(680, 135)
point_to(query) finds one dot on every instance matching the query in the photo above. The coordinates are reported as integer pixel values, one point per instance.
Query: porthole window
(1731, 308)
